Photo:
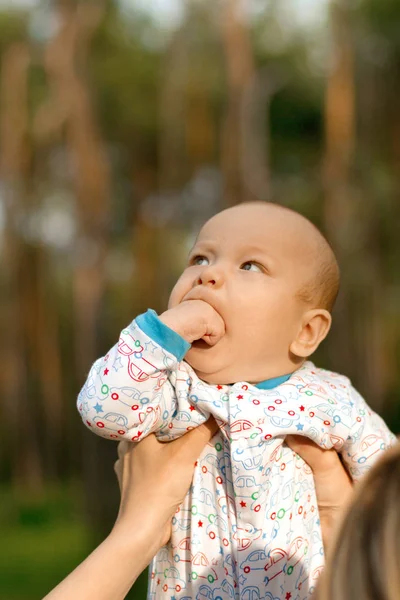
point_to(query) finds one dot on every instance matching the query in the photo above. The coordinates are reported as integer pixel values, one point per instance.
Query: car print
(281, 501)
(272, 563)
(205, 397)
(313, 389)
(231, 562)
(315, 575)
(369, 446)
(217, 525)
(280, 415)
(227, 505)
(330, 440)
(248, 459)
(329, 416)
(181, 522)
(139, 369)
(185, 546)
(199, 561)
(255, 561)
(204, 593)
(113, 422)
(225, 592)
(251, 592)
(246, 486)
(244, 426)
(182, 421)
(276, 562)
(261, 496)
(224, 465)
(245, 536)
(154, 411)
(172, 581)
(297, 550)
(207, 498)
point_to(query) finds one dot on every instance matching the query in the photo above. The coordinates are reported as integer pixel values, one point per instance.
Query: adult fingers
(193, 442)
(319, 459)
(122, 448)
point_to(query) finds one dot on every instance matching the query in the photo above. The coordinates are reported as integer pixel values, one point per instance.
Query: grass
(43, 540)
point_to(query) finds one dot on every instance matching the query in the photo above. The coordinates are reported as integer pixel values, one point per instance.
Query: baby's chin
(209, 363)
(203, 359)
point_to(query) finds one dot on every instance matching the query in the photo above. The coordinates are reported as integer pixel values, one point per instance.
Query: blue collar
(269, 384)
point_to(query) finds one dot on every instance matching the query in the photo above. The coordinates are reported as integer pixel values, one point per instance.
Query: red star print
(158, 582)
(288, 596)
(192, 408)
(89, 423)
(301, 408)
(196, 464)
(240, 397)
(219, 387)
(200, 523)
(106, 371)
(243, 504)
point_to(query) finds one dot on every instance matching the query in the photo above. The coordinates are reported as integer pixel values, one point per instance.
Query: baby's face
(248, 263)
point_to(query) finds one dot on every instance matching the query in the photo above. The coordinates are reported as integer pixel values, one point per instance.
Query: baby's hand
(195, 320)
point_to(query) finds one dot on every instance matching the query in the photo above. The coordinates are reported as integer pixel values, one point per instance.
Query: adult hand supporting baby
(195, 320)
(154, 478)
(332, 482)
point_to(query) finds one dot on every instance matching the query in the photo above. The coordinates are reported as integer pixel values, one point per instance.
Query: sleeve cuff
(171, 341)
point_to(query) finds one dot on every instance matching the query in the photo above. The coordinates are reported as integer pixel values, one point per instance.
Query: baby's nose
(211, 277)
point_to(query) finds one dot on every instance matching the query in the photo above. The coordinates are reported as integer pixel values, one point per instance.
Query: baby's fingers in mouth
(203, 342)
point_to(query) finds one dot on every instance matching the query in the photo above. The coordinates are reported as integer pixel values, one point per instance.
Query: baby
(253, 303)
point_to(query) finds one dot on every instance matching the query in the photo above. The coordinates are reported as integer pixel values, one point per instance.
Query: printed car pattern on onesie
(249, 527)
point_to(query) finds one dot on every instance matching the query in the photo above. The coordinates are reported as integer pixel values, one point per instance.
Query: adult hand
(332, 482)
(154, 477)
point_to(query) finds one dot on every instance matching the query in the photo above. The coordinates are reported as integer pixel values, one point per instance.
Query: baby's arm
(368, 438)
(129, 392)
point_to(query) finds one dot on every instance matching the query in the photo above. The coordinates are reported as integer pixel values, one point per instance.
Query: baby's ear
(314, 328)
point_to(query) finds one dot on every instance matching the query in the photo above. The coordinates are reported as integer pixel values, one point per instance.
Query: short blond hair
(322, 289)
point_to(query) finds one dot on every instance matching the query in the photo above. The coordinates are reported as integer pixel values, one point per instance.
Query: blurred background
(123, 127)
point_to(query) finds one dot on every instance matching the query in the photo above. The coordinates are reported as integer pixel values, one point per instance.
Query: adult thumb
(194, 441)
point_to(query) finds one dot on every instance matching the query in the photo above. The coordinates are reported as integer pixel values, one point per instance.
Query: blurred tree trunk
(172, 157)
(47, 363)
(357, 342)
(150, 235)
(240, 75)
(66, 55)
(70, 108)
(18, 301)
(199, 128)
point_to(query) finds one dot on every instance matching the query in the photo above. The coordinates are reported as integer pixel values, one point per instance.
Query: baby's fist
(195, 320)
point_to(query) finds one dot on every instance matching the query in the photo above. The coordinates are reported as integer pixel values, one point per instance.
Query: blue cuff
(171, 341)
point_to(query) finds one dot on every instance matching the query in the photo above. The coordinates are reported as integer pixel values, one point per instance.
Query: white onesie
(248, 528)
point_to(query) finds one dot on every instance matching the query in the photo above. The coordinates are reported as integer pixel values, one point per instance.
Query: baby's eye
(251, 266)
(199, 261)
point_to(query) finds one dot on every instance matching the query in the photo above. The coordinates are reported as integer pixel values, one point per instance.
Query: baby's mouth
(200, 344)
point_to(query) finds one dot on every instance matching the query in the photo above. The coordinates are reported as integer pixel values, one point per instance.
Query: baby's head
(273, 278)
